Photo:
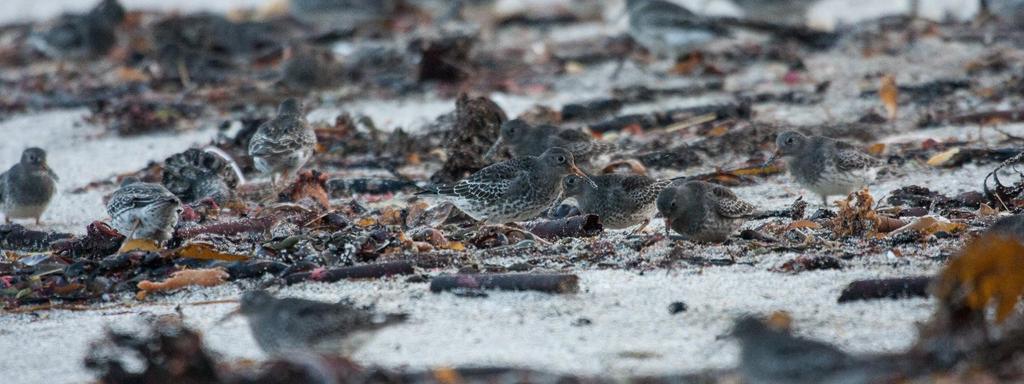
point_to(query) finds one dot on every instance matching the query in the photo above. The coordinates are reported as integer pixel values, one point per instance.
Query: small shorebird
(27, 188)
(701, 211)
(621, 201)
(284, 144)
(144, 211)
(825, 166)
(513, 190)
(290, 325)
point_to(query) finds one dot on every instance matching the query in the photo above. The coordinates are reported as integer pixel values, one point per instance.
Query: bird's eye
(561, 159)
(790, 140)
(673, 205)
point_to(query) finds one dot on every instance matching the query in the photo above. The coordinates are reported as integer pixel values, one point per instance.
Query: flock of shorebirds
(542, 172)
(544, 169)
(545, 160)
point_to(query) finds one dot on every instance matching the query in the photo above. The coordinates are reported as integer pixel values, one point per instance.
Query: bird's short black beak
(494, 148)
(771, 160)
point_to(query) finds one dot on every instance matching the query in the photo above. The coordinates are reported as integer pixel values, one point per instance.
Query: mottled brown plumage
(281, 146)
(621, 201)
(514, 190)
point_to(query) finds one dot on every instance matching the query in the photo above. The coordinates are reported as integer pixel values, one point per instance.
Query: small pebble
(677, 307)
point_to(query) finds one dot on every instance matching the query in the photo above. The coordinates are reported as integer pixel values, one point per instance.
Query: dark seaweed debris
(477, 121)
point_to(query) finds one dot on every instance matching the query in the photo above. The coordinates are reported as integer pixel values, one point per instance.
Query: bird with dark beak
(27, 187)
(513, 190)
(823, 165)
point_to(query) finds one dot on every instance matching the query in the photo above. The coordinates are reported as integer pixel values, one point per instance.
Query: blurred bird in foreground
(282, 326)
(772, 356)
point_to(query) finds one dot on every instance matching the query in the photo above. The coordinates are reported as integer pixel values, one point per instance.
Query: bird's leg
(285, 177)
(38, 221)
(824, 201)
(641, 228)
(135, 227)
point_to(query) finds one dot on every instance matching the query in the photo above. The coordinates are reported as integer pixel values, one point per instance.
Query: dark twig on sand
(550, 283)
(895, 288)
(575, 226)
(368, 271)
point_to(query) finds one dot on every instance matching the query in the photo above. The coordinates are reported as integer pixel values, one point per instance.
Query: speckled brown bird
(281, 146)
(621, 201)
(513, 190)
(144, 211)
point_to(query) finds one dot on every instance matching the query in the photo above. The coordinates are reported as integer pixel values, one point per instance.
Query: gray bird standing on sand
(621, 201)
(144, 211)
(668, 29)
(513, 190)
(284, 144)
(523, 140)
(701, 211)
(27, 188)
(775, 356)
(825, 166)
(281, 326)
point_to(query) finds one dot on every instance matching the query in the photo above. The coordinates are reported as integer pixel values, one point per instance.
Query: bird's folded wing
(264, 146)
(729, 205)
(136, 195)
(851, 159)
(643, 189)
(482, 189)
(493, 181)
